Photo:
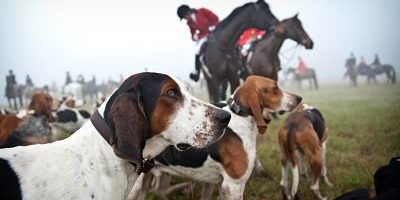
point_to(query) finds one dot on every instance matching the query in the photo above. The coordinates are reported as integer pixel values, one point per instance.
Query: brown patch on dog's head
(170, 97)
(42, 104)
(258, 93)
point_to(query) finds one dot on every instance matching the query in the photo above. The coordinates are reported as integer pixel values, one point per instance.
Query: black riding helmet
(182, 10)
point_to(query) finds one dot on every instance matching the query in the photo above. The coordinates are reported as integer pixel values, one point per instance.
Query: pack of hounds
(152, 126)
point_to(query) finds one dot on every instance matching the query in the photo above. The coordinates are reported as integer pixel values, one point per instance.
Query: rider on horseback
(68, 79)
(200, 21)
(362, 66)
(350, 63)
(11, 88)
(301, 68)
(247, 38)
(376, 63)
(28, 81)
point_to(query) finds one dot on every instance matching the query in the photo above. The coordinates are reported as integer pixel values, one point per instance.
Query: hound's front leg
(232, 189)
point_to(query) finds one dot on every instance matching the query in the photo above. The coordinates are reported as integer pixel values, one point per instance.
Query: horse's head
(262, 16)
(292, 28)
(289, 71)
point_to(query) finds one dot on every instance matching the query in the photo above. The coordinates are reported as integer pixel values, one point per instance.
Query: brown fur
(165, 104)
(303, 138)
(8, 123)
(233, 155)
(128, 117)
(258, 93)
(42, 104)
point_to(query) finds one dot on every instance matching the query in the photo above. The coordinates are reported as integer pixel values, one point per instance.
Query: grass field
(364, 135)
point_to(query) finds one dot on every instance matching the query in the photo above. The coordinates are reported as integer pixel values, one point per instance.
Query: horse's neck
(230, 33)
(272, 44)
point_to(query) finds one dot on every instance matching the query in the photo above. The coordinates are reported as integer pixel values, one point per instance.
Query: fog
(46, 38)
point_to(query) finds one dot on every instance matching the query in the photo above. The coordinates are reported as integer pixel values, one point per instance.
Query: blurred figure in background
(200, 21)
(68, 79)
(80, 79)
(376, 63)
(350, 63)
(11, 89)
(362, 66)
(28, 81)
(301, 67)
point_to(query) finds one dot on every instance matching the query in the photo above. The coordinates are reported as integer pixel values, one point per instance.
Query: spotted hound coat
(147, 113)
(229, 162)
(303, 133)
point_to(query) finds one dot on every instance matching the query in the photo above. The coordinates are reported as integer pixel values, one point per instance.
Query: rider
(376, 63)
(68, 80)
(301, 68)
(28, 81)
(351, 62)
(200, 21)
(362, 66)
(247, 38)
(11, 87)
(80, 79)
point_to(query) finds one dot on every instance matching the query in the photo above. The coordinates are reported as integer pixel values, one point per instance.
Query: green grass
(364, 135)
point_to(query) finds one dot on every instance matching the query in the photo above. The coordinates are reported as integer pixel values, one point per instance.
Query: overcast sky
(45, 38)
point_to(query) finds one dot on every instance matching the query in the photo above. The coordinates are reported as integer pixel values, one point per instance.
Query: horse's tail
(315, 79)
(393, 75)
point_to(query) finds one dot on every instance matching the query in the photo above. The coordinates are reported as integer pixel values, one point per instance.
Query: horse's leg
(212, 90)
(9, 102)
(15, 103)
(222, 90)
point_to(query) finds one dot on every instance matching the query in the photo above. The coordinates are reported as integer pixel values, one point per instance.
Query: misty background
(46, 38)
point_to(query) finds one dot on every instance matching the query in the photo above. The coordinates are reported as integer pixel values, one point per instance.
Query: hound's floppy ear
(130, 127)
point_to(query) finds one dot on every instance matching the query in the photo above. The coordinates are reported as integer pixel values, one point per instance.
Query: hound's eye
(172, 92)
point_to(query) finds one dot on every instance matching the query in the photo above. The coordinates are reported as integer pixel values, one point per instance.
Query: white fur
(84, 165)
(213, 172)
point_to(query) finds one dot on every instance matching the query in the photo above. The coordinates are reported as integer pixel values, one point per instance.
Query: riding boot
(196, 75)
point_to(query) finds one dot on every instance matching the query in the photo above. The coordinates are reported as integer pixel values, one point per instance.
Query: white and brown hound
(303, 133)
(147, 113)
(230, 161)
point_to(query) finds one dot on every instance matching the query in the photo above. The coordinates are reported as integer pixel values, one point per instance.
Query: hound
(230, 161)
(148, 112)
(303, 134)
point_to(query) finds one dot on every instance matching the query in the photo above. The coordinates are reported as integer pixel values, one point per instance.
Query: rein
(290, 58)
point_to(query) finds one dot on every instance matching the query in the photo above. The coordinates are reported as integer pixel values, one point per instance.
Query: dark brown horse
(264, 59)
(371, 72)
(220, 62)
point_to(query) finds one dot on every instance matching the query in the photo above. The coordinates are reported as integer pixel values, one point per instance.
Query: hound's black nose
(223, 116)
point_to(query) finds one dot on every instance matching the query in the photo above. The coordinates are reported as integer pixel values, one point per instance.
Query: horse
(219, 57)
(12, 94)
(378, 70)
(389, 70)
(351, 71)
(264, 59)
(309, 74)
